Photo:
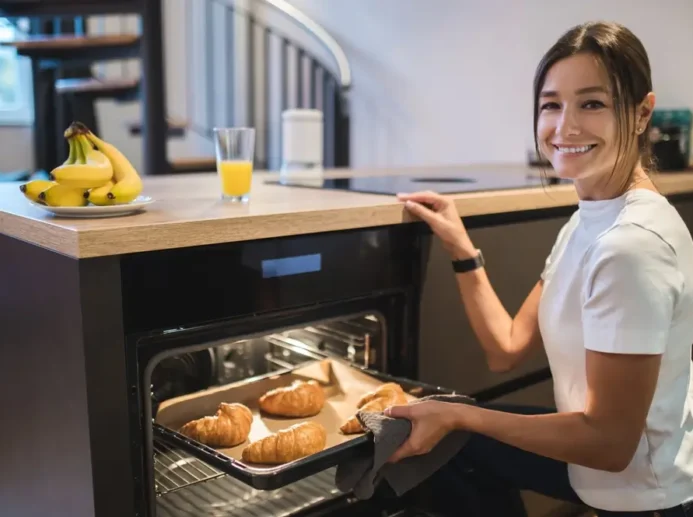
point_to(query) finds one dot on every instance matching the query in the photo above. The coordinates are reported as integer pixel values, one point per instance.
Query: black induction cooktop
(447, 184)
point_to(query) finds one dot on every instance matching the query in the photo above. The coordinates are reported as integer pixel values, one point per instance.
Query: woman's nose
(568, 124)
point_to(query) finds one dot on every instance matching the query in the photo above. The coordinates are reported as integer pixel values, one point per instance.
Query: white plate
(90, 211)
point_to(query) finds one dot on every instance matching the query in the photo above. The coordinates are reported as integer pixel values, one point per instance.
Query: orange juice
(236, 177)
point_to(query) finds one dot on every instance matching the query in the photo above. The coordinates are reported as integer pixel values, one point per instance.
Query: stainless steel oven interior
(184, 485)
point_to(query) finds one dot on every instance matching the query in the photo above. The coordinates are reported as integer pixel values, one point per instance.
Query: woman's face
(577, 128)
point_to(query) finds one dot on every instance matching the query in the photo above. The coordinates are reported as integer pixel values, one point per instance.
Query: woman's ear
(644, 112)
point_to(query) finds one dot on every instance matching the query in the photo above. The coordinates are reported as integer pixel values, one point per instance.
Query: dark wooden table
(153, 89)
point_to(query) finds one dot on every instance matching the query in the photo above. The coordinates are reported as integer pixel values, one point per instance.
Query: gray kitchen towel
(363, 474)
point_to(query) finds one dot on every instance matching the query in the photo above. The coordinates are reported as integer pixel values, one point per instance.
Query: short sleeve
(630, 292)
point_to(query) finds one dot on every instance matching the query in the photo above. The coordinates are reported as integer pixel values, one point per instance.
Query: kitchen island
(187, 211)
(77, 295)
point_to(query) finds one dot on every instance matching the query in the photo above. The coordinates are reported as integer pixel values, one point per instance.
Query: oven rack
(174, 469)
(187, 486)
(228, 497)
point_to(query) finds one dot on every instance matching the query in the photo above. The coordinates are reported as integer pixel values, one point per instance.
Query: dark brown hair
(625, 60)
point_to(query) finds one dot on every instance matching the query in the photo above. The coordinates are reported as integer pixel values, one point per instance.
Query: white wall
(16, 148)
(449, 81)
(431, 86)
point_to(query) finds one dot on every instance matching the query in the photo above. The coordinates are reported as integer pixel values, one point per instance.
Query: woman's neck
(610, 187)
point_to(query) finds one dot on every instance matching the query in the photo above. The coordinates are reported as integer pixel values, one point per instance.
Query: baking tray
(343, 382)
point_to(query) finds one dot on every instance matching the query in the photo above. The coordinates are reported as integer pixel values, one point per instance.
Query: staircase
(237, 63)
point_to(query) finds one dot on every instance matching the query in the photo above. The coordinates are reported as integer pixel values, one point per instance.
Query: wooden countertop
(188, 211)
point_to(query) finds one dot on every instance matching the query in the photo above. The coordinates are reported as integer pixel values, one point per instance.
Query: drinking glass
(235, 149)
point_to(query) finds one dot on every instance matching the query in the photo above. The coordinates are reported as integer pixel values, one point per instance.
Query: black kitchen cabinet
(449, 352)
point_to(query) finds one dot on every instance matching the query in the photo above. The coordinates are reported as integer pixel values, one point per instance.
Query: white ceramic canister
(302, 143)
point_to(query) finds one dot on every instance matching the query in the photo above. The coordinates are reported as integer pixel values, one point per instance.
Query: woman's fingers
(436, 201)
(398, 411)
(420, 211)
(404, 451)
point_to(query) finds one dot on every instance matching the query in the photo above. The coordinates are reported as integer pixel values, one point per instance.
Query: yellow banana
(90, 169)
(94, 156)
(128, 184)
(99, 195)
(60, 195)
(72, 155)
(32, 189)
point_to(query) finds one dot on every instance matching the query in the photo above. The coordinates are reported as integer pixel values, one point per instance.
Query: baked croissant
(300, 399)
(379, 400)
(389, 389)
(229, 427)
(289, 444)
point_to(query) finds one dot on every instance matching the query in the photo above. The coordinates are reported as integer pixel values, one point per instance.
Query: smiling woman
(600, 125)
(613, 311)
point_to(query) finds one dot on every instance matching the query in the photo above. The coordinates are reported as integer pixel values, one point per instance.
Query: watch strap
(470, 264)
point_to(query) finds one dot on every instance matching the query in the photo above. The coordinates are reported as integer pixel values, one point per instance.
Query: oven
(202, 319)
(184, 484)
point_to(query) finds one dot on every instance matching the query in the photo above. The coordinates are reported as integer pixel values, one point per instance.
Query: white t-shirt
(620, 280)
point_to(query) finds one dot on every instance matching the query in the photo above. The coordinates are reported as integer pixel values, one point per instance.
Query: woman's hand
(444, 221)
(431, 420)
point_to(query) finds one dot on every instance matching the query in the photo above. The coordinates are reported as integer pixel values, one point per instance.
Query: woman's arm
(631, 287)
(505, 340)
(604, 436)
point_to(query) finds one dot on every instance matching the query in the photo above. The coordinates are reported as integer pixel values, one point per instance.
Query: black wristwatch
(470, 264)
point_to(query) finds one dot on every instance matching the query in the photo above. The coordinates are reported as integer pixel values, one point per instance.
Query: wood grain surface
(188, 210)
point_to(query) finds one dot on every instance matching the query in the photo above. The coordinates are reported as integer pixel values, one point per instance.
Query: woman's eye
(549, 106)
(592, 105)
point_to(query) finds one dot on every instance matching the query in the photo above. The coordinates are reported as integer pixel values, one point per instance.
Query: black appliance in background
(447, 183)
(670, 136)
(668, 148)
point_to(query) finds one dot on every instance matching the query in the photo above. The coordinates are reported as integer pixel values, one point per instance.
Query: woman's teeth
(574, 149)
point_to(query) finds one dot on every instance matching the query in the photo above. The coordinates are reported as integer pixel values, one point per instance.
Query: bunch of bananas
(95, 172)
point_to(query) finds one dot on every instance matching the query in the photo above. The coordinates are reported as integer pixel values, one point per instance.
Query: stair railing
(253, 70)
